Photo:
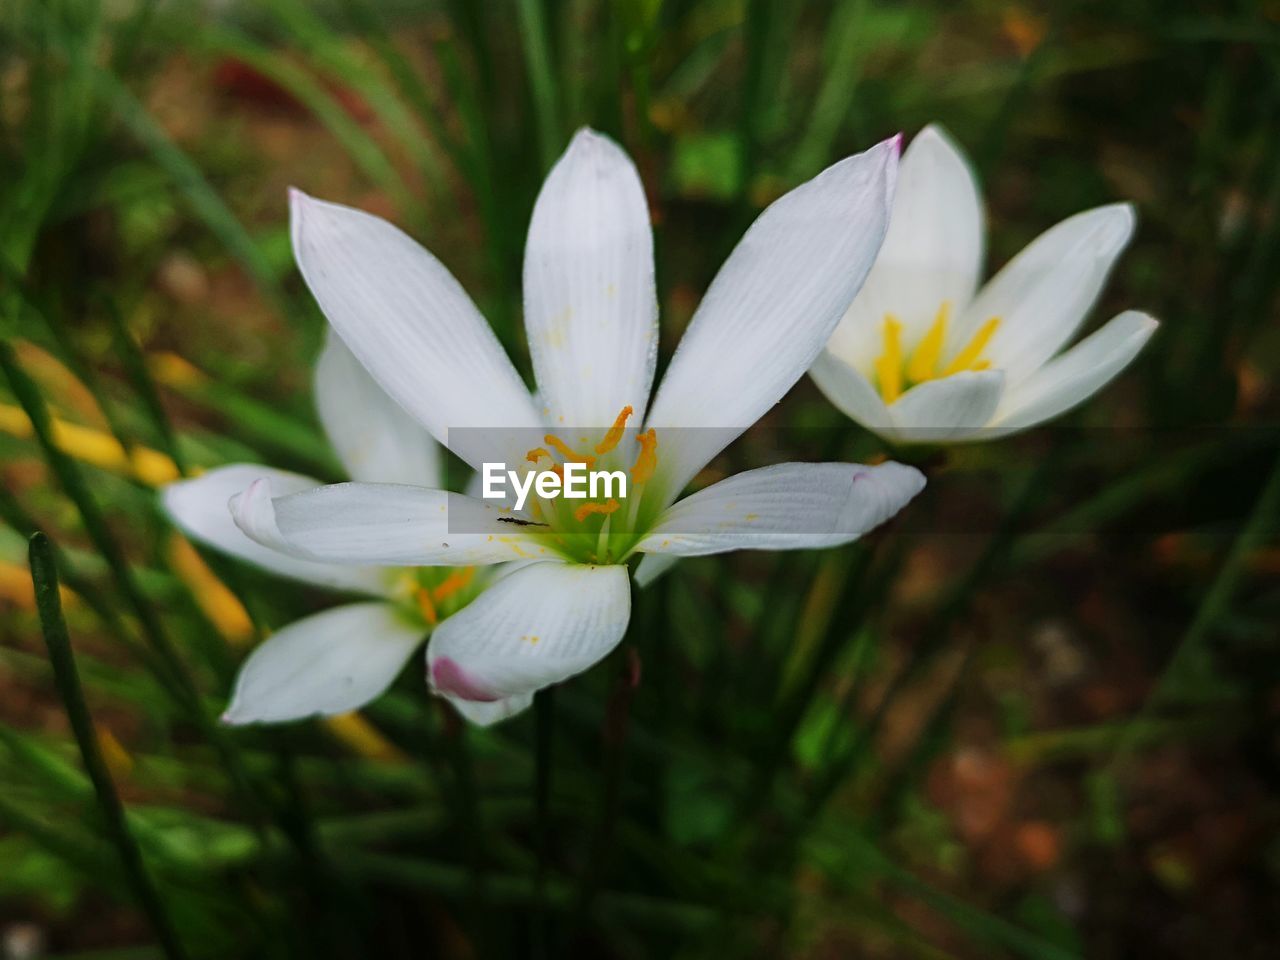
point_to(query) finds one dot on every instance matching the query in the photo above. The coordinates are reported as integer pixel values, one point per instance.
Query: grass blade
(44, 578)
(191, 183)
(537, 54)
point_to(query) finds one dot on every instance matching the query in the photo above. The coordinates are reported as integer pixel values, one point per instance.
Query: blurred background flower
(924, 355)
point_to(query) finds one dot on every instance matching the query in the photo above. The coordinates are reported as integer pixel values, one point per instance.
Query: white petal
(851, 393)
(590, 307)
(412, 326)
(324, 664)
(372, 435)
(199, 507)
(1044, 293)
(541, 625)
(487, 713)
(932, 252)
(385, 523)
(951, 408)
(652, 566)
(1076, 375)
(771, 309)
(784, 507)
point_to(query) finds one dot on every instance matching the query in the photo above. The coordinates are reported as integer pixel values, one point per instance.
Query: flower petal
(1076, 375)
(771, 309)
(199, 507)
(851, 393)
(1044, 293)
(590, 306)
(487, 713)
(385, 523)
(373, 436)
(652, 566)
(785, 507)
(932, 252)
(332, 662)
(948, 409)
(540, 625)
(412, 326)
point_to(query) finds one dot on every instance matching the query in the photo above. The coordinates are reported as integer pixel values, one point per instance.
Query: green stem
(135, 366)
(163, 656)
(537, 55)
(860, 588)
(544, 719)
(455, 736)
(614, 742)
(759, 16)
(44, 578)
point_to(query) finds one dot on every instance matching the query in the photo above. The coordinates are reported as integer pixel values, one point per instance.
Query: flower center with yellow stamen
(456, 581)
(605, 529)
(897, 372)
(439, 592)
(425, 604)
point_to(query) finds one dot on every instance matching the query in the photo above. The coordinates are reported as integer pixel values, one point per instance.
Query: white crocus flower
(924, 356)
(591, 318)
(338, 660)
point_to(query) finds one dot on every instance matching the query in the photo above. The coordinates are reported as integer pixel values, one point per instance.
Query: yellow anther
(971, 355)
(587, 509)
(615, 432)
(460, 579)
(537, 453)
(567, 452)
(889, 364)
(423, 596)
(923, 364)
(647, 460)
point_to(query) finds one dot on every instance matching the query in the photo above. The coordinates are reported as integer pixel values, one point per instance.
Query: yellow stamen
(423, 596)
(615, 432)
(567, 452)
(537, 453)
(970, 356)
(889, 364)
(647, 460)
(587, 509)
(458, 580)
(923, 364)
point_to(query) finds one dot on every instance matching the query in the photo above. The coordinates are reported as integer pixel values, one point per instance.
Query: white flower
(338, 660)
(591, 318)
(920, 358)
